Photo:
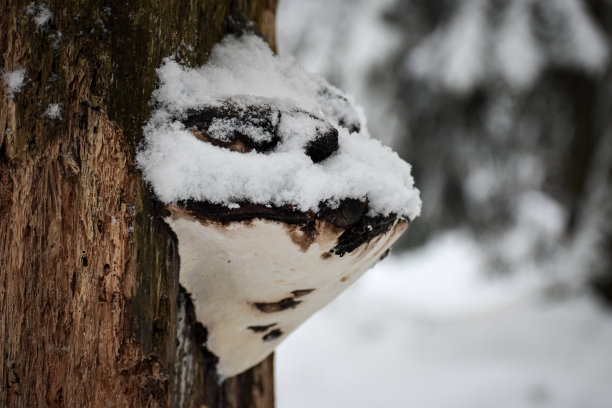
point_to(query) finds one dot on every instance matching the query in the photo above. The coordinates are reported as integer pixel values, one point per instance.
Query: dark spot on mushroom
(258, 329)
(302, 236)
(323, 146)
(283, 304)
(385, 254)
(274, 334)
(302, 292)
(345, 215)
(326, 255)
(229, 261)
(247, 211)
(237, 116)
(344, 279)
(363, 231)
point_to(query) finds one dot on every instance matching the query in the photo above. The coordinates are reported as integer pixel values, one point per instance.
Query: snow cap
(246, 91)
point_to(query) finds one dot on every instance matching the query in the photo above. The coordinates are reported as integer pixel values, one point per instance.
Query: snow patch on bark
(41, 14)
(14, 81)
(53, 111)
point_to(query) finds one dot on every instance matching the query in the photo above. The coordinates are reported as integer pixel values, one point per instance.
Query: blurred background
(500, 294)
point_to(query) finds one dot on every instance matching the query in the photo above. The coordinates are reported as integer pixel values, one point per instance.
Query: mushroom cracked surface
(277, 194)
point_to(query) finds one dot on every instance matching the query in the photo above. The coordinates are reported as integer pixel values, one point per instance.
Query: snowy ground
(427, 330)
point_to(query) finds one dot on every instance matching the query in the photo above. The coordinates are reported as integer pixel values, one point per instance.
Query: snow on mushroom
(277, 194)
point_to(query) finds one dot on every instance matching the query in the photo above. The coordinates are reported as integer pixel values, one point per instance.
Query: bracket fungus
(277, 194)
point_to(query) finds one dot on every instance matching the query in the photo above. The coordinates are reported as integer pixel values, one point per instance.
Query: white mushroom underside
(237, 275)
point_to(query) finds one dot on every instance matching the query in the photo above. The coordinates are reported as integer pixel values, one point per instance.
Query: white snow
(445, 279)
(433, 330)
(222, 129)
(455, 54)
(586, 45)
(14, 81)
(470, 50)
(179, 166)
(539, 225)
(519, 57)
(41, 14)
(53, 111)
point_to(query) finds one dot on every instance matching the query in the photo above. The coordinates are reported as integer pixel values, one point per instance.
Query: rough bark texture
(90, 309)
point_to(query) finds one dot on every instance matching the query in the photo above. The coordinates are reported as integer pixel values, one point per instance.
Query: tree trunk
(91, 313)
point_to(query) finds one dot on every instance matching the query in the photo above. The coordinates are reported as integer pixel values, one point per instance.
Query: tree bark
(91, 313)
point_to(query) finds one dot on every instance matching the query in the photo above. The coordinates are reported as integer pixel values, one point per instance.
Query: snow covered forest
(500, 294)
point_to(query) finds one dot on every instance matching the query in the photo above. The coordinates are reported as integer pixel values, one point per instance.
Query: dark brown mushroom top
(350, 216)
(246, 124)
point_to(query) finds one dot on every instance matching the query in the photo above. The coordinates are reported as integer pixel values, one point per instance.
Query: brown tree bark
(91, 313)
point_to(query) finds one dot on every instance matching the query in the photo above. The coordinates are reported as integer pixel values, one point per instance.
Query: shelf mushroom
(278, 196)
